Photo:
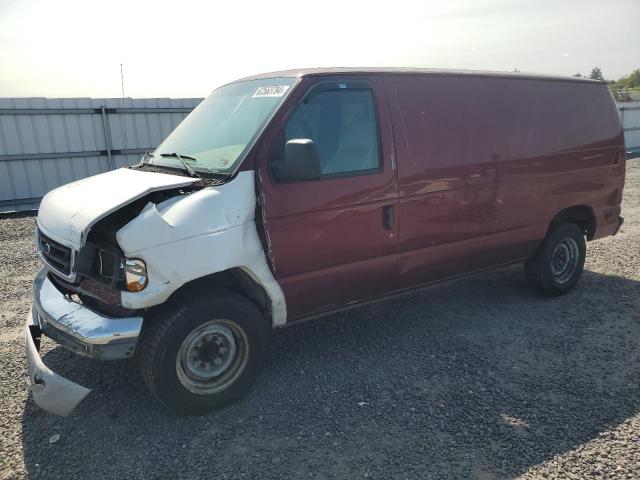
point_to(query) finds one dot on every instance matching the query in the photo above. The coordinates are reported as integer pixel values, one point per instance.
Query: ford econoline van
(291, 195)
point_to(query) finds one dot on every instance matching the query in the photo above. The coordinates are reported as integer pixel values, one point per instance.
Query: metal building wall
(47, 142)
(630, 115)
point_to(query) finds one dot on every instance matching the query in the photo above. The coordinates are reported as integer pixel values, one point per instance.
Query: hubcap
(211, 357)
(564, 260)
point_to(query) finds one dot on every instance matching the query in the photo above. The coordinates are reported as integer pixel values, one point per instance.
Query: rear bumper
(78, 328)
(608, 221)
(620, 222)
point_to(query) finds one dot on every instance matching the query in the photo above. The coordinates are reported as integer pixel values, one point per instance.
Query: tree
(630, 81)
(596, 74)
(634, 78)
(577, 75)
(626, 85)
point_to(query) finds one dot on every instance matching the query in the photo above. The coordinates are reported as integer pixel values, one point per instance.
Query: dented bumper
(50, 391)
(78, 328)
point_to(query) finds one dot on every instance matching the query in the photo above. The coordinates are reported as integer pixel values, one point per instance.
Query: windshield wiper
(182, 158)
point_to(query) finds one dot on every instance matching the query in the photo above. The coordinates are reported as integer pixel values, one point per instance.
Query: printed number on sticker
(271, 91)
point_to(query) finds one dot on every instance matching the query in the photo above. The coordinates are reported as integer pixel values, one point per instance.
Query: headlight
(135, 274)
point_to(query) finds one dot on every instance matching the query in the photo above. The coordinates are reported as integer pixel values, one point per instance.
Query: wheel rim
(212, 357)
(564, 260)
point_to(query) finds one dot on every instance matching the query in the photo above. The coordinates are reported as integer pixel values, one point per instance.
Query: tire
(204, 353)
(555, 268)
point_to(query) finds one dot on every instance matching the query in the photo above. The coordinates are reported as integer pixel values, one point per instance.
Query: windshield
(219, 130)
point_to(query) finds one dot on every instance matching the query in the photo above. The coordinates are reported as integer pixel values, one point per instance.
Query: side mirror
(301, 161)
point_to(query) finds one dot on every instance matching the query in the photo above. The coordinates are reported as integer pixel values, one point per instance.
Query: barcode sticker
(271, 91)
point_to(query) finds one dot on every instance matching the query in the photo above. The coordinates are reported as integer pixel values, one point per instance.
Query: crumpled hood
(208, 211)
(67, 213)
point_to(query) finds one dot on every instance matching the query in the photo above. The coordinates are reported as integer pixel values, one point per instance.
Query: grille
(55, 254)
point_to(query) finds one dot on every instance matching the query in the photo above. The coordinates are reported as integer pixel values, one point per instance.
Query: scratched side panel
(447, 173)
(485, 164)
(564, 150)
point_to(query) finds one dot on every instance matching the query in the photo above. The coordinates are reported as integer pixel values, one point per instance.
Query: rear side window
(343, 125)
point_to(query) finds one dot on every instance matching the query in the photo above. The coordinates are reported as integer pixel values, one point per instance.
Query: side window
(343, 125)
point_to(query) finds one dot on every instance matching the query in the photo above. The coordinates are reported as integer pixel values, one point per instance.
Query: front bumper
(78, 328)
(50, 391)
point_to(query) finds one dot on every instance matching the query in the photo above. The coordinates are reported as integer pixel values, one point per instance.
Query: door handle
(388, 217)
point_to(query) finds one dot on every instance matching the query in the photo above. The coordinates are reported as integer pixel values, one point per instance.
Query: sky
(186, 48)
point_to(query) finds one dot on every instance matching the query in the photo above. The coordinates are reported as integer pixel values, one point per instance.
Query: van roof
(307, 72)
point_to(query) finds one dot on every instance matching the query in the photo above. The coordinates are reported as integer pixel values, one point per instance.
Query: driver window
(343, 125)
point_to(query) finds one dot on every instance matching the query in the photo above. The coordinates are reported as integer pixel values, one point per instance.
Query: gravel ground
(478, 379)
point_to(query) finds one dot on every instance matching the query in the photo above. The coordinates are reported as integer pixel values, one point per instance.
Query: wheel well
(235, 279)
(581, 215)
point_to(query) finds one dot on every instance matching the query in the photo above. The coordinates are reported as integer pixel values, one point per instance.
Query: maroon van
(294, 194)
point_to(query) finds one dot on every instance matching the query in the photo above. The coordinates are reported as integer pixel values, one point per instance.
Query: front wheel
(205, 353)
(556, 266)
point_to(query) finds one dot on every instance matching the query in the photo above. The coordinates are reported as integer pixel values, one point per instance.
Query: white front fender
(190, 237)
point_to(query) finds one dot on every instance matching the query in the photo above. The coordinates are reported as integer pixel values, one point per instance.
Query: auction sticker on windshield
(271, 91)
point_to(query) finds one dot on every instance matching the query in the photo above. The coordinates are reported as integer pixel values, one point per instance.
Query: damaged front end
(121, 243)
(77, 295)
(75, 326)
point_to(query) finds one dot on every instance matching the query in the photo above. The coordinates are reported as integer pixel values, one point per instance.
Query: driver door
(333, 240)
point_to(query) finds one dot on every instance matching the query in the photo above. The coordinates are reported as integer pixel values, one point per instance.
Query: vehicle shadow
(478, 379)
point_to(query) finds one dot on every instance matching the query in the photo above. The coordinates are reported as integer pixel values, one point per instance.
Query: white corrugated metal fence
(630, 115)
(47, 142)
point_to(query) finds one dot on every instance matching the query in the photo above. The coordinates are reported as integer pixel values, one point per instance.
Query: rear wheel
(204, 353)
(556, 266)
